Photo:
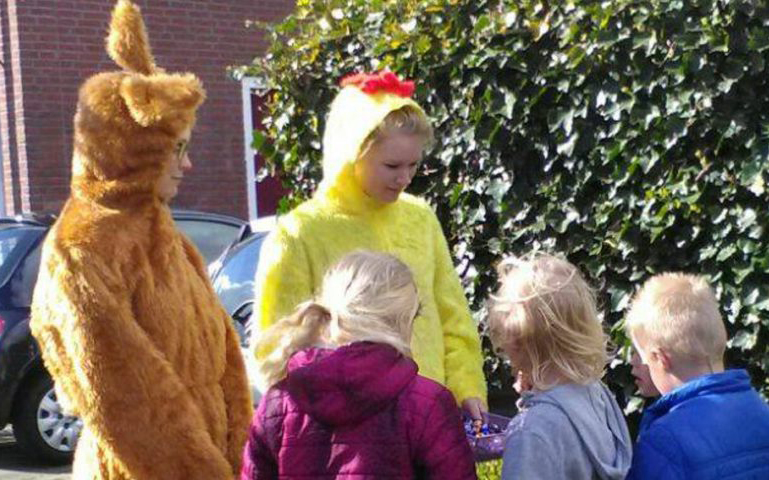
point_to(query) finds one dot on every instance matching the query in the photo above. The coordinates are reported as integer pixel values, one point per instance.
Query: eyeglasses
(181, 149)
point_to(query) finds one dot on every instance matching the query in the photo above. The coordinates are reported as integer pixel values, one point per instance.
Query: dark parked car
(210, 232)
(27, 398)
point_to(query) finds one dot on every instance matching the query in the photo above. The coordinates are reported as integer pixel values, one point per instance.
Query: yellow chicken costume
(128, 324)
(341, 218)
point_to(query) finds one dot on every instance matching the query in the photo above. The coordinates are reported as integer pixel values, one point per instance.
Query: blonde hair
(546, 310)
(679, 313)
(367, 296)
(407, 120)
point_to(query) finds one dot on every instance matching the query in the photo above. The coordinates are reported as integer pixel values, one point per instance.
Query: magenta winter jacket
(358, 412)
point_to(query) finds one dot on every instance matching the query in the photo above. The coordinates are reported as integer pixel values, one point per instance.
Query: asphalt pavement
(14, 465)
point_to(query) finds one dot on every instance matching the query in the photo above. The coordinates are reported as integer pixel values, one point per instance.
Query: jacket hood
(353, 115)
(348, 384)
(128, 123)
(597, 420)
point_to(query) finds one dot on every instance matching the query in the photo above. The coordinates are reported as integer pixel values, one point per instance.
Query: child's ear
(662, 358)
(152, 99)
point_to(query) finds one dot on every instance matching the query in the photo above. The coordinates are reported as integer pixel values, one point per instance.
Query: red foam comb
(385, 81)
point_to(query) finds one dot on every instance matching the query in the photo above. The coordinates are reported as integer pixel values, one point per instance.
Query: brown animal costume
(128, 324)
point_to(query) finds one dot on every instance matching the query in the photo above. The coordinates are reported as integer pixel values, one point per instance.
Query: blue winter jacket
(713, 427)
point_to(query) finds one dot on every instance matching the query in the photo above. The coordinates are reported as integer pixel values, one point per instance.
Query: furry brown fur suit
(127, 321)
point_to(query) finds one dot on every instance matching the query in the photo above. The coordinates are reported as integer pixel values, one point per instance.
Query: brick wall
(48, 47)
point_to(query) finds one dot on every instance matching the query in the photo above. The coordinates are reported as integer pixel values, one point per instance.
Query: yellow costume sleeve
(463, 360)
(283, 280)
(125, 389)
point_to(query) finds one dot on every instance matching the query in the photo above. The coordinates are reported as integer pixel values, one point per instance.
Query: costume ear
(153, 99)
(127, 42)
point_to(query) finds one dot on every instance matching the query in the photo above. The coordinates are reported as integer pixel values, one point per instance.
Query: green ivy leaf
(633, 138)
(744, 340)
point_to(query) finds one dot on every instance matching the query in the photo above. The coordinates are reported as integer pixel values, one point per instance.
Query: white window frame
(248, 85)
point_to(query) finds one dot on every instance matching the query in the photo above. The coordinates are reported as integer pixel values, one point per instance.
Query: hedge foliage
(631, 135)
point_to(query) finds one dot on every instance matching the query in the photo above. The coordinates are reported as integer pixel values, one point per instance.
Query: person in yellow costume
(128, 324)
(372, 146)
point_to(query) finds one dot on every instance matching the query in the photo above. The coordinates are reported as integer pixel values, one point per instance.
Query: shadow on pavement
(13, 463)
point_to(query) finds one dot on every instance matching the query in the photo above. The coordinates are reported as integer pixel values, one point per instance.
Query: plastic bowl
(491, 446)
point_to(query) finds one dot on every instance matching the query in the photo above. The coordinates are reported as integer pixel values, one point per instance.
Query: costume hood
(128, 122)
(363, 103)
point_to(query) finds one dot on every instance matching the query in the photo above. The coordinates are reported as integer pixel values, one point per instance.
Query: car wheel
(40, 426)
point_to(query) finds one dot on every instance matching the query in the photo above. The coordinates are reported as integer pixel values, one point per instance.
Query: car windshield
(234, 282)
(14, 244)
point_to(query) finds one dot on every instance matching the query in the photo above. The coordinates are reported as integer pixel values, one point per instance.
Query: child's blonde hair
(546, 310)
(406, 120)
(367, 296)
(679, 313)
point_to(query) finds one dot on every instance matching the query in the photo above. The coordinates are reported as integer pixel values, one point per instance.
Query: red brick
(48, 49)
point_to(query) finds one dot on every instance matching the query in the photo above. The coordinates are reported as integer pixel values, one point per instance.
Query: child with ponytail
(344, 395)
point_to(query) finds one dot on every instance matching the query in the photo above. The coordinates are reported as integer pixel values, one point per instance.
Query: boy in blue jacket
(709, 423)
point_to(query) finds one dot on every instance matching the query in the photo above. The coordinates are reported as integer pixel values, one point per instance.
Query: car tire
(41, 429)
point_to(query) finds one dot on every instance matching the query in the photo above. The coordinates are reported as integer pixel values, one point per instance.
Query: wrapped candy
(487, 438)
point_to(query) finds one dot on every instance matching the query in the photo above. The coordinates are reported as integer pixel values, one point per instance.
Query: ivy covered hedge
(631, 135)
